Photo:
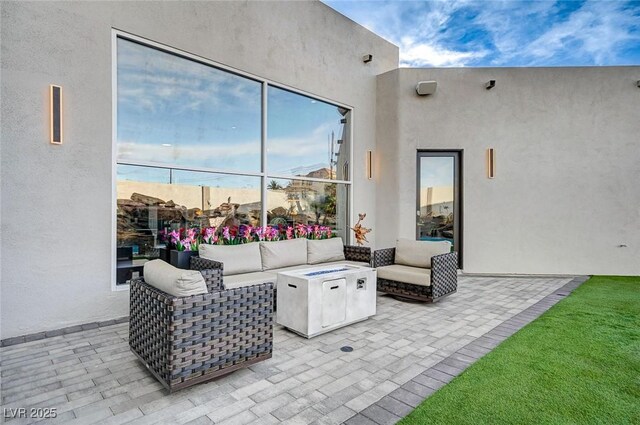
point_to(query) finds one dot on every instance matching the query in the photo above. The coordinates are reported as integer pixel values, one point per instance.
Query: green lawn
(579, 363)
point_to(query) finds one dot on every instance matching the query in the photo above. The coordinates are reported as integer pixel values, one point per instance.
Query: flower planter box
(165, 254)
(181, 259)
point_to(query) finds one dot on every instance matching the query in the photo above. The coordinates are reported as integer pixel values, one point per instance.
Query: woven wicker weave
(444, 277)
(357, 253)
(187, 340)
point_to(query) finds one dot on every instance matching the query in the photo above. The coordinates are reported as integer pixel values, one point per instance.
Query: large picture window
(191, 151)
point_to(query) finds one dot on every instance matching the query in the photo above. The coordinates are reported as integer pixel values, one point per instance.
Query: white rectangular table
(320, 299)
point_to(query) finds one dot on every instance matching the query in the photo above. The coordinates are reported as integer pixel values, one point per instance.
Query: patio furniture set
(190, 326)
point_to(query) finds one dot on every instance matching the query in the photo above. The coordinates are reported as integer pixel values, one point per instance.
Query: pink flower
(210, 235)
(289, 232)
(175, 236)
(225, 233)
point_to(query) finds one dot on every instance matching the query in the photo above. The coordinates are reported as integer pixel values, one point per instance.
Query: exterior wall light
(491, 163)
(55, 114)
(638, 83)
(491, 84)
(369, 167)
(367, 58)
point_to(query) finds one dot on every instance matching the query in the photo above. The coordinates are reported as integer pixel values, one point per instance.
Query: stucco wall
(57, 200)
(567, 145)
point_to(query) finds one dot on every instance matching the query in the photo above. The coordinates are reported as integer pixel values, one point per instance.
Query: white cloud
(596, 30)
(416, 54)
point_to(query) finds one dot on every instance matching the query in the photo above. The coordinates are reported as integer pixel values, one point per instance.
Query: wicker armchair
(187, 340)
(357, 253)
(444, 277)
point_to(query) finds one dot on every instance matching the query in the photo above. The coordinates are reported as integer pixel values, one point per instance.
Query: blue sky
(504, 33)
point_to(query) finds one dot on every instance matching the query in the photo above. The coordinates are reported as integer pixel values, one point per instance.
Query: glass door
(438, 213)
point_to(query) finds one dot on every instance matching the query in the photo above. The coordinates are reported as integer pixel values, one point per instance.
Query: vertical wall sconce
(55, 114)
(369, 165)
(491, 163)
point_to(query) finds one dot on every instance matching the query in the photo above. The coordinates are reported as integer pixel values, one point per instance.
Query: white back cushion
(418, 253)
(172, 280)
(325, 250)
(283, 253)
(236, 259)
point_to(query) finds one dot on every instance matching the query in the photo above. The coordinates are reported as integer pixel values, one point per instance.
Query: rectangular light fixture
(369, 165)
(55, 114)
(491, 163)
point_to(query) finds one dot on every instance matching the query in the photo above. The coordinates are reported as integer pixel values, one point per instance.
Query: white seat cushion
(325, 250)
(418, 253)
(248, 279)
(172, 280)
(407, 274)
(236, 259)
(280, 254)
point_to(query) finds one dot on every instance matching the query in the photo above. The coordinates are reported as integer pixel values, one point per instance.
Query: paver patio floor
(92, 377)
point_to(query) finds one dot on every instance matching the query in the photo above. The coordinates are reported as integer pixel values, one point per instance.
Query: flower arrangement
(189, 239)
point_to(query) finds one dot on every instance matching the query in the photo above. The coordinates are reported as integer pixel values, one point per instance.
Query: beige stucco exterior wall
(57, 200)
(565, 195)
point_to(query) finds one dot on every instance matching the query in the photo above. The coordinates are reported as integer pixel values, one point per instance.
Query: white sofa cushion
(407, 274)
(236, 259)
(419, 253)
(280, 254)
(325, 250)
(248, 279)
(172, 280)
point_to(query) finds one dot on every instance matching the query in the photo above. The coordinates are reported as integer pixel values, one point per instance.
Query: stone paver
(401, 355)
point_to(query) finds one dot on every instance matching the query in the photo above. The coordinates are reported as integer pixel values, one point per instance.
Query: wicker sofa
(435, 277)
(266, 261)
(187, 340)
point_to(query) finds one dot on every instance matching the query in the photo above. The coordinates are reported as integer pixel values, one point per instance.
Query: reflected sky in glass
(178, 112)
(172, 110)
(436, 171)
(301, 132)
(143, 174)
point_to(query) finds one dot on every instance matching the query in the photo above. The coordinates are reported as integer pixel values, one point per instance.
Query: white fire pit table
(318, 300)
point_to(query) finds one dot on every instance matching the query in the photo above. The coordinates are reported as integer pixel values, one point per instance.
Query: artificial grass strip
(579, 363)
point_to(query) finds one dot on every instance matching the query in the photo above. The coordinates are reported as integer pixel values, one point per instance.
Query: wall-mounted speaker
(55, 112)
(425, 88)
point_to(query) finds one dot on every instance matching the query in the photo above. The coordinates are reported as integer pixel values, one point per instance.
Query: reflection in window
(306, 137)
(290, 202)
(151, 200)
(182, 114)
(173, 110)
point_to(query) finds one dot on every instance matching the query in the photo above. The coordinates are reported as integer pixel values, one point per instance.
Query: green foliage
(579, 363)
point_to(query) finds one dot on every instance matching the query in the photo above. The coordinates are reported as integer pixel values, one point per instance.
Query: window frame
(263, 174)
